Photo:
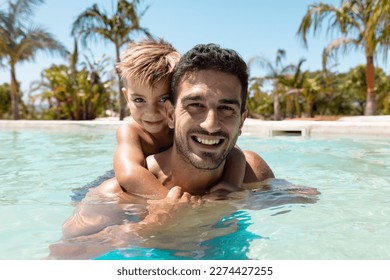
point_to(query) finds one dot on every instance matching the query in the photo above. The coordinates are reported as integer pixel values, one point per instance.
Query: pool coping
(373, 126)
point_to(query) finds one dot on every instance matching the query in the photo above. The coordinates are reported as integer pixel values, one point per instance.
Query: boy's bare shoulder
(130, 131)
(133, 134)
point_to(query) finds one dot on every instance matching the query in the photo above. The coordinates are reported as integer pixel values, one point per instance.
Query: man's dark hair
(211, 57)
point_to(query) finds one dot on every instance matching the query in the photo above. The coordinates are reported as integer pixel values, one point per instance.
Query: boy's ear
(124, 91)
(169, 111)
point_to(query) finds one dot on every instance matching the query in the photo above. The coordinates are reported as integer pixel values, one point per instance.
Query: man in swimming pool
(209, 93)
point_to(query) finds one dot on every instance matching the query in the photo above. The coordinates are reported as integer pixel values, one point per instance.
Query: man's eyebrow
(193, 98)
(231, 102)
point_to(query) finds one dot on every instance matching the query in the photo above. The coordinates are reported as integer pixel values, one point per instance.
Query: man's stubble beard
(212, 161)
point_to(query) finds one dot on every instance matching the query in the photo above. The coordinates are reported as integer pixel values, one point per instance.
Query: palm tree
(295, 85)
(259, 103)
(363, 24)
(74, 94)
(275, 70)
(94, 23)
(21, 40)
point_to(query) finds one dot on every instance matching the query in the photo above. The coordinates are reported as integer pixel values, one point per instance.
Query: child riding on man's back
(146, 70)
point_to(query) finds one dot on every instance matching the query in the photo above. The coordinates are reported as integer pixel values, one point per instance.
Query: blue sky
(251, 27)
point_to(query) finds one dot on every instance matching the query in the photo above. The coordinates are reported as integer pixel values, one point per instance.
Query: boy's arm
(234, 172)
(130, 166)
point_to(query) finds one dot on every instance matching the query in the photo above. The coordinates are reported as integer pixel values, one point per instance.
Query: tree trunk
(289, 106)
(277, 114)
(122, 100)
(297, 105)
(14, 94)
(308, 106)
(370, 108)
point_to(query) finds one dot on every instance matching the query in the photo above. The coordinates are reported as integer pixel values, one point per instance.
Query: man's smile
(207, 141)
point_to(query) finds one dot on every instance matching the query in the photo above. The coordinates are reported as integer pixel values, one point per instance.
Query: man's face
(207, 117)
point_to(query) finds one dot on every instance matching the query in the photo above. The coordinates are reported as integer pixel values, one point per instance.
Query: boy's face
(147, 104)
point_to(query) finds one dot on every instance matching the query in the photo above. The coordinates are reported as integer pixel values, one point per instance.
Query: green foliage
(5, 101)
(72, 95)
(352, 86)
(316, 94)
(259, 103)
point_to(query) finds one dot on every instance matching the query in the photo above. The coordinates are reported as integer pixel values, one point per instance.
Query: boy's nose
(152, 109)
(210, 123)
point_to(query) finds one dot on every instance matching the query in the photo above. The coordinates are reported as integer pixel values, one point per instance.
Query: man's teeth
(207, 142)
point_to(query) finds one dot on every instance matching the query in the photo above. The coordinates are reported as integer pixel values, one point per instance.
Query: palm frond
(345, 44)
(313, 19)
(261, 62)
(38, 39)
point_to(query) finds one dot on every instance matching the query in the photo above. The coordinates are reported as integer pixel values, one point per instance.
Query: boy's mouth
(153, 122)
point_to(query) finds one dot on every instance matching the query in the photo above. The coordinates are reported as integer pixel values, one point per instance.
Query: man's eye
(226, 108)
(228, 111)
(195, 105)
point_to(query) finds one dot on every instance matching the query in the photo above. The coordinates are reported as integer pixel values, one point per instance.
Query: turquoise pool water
(40, 168)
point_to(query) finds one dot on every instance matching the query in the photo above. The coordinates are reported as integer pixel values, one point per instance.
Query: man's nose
(211, 123)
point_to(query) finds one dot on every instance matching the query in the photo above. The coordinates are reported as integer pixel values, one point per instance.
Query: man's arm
(234, 172)
(130, 165)
(102, 206)
(256, 170)
(161, 213)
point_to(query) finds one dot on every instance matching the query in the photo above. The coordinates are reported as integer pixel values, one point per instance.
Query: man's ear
(124, 92)
(169, 112)
(243, 118)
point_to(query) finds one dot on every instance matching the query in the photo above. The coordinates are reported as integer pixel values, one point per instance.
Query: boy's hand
(174, 205)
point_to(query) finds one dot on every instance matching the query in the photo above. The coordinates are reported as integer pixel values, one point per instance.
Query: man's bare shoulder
(257, 169)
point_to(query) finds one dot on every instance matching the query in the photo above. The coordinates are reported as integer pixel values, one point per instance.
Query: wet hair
(211, 57)
(148, 61)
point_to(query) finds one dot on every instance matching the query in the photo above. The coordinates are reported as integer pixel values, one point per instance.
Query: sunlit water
(40, 169)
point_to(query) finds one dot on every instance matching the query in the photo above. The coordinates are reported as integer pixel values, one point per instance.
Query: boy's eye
(138, 100)
(165, 98)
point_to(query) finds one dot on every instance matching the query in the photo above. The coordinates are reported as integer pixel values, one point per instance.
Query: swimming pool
(351, 219)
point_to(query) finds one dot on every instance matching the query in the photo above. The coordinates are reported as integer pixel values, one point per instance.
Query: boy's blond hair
(148, 61)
